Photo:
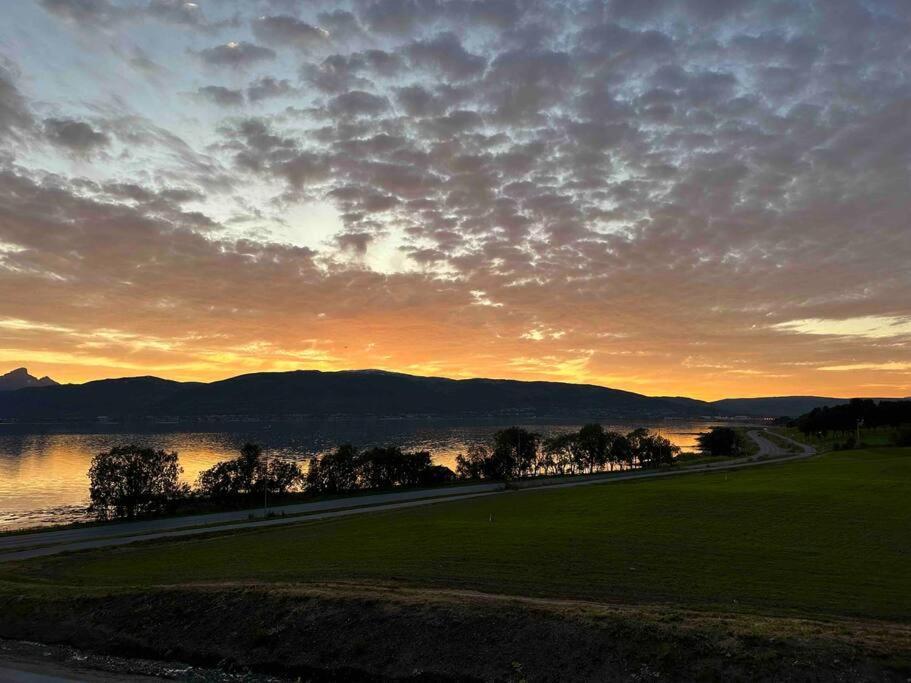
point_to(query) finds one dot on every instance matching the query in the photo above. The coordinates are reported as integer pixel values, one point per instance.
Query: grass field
(874, 437)
(828, 535)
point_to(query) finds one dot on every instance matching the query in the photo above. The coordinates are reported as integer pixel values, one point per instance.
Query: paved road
(768, 448)
(72, 546)
(17, 541)
(27, 546)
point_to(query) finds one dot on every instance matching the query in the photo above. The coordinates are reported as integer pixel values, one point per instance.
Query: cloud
(445, 55)
(896, 366)
(290, 31)
(258, 149)
(356, 103)
(341, 25)
(97, 13)
(338, 73)
(721, 181)
(78, 137)
(267, 87)
(225, 97)
(106, 14)
(870, 327)
(15, 116)
(235, 55)
(177, 12)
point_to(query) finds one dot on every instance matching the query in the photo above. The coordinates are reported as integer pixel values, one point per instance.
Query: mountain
(20, 379)
(773, 406)
(366, 393)
(129, 396)
(311, 392)
(704, 408)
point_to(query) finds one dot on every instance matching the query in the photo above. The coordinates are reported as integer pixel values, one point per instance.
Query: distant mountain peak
(20, 379)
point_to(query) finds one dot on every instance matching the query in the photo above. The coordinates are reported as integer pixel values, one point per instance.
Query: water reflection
(43, 475)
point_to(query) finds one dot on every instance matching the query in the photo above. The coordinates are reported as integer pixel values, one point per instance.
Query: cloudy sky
(700, 197)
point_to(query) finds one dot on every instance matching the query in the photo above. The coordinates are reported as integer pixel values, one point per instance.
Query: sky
(708, 198)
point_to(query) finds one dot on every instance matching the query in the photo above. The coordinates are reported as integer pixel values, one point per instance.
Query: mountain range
(21, 379)
(360, 393)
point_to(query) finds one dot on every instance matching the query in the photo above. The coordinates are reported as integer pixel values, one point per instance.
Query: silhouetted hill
(310, 392)
(369, 392)
(129, 396)
(20, 379)
(702, 407)
(791, 406)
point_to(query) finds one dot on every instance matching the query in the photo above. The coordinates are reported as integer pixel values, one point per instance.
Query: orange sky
(699, 198)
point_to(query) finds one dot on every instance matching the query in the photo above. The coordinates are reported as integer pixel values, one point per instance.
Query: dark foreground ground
(344, 633)
(797, 571)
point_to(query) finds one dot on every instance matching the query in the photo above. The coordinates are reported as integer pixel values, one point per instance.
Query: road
(40, 544)
(85, 533)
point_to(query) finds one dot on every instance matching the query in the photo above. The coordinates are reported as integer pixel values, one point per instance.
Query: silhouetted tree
(557, 453)
(128, 481)
(844, 419)
(651, 450)
(473, 464)
(621, 451)
(593, 446)
(335, 472)
(248, 475)
(721, 441)
(514, 453)
(388, 467)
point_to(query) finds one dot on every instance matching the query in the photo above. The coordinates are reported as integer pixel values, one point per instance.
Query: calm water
(43, 469)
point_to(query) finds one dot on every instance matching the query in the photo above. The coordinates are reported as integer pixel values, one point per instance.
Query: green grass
(879, 436)
(825, 536)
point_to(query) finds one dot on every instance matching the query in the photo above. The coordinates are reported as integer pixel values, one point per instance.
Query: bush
(127, 481)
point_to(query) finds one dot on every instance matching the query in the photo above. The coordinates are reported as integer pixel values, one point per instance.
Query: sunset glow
(707, 199)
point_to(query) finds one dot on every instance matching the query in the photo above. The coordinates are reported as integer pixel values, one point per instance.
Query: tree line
(516, 453)
(129, 481)
(858, 412)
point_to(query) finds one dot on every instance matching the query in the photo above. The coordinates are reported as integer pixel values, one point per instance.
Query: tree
(247, 476)
(638, 444)
(281, 476)
(617, 445)
(473, 464)
(514, 453)
(390, 466)
(558, 452)
(621, 451)
(593, 446)
(721, 441)
(651, 450)
(127, 481)
(336, 471)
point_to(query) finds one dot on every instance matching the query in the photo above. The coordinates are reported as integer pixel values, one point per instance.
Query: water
(43, 468)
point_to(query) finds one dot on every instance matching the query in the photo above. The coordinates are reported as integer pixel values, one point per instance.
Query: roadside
(27, 546)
